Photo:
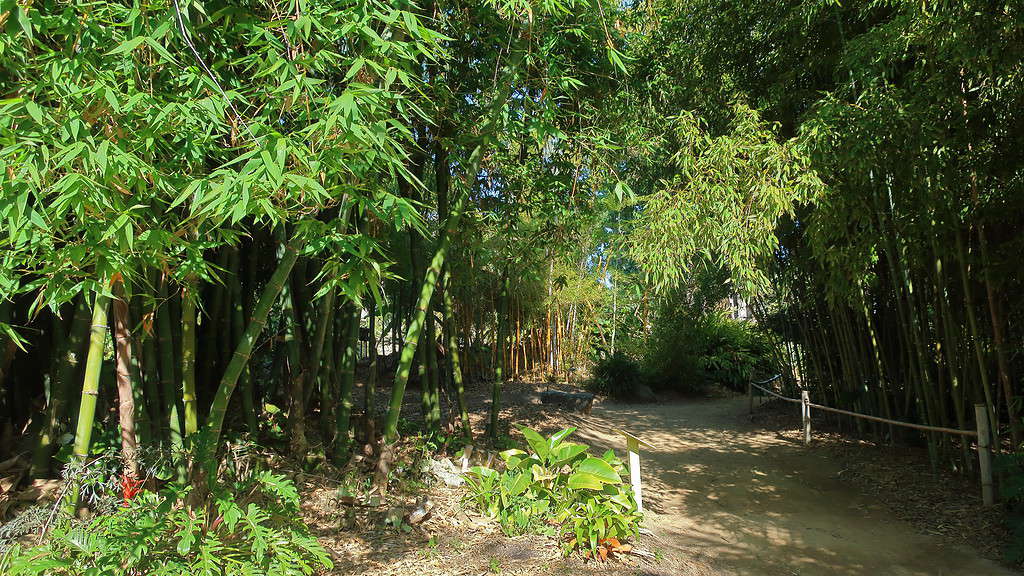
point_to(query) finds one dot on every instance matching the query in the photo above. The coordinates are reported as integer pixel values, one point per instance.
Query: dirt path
(747, 502)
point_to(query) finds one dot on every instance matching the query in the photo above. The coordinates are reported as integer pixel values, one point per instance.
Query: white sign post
(633, 447)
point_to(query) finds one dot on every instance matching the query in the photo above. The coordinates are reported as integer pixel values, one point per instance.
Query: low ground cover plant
(557, 488)
(249, 526)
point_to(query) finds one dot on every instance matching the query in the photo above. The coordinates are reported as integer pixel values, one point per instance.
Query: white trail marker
(633, 447)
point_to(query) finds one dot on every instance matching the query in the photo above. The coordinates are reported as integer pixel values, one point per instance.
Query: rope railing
(771, 392)
(981, 433)
(922, 427)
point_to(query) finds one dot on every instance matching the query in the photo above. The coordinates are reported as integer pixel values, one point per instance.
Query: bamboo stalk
(434, 269)
(500, 369)
(343, 436)
(188, 357)
(239, 359)
(144, 374)
(370, 392)
(972, 323)
(420, 312)
(324, 324)
(90, 385)
(331, 378)
(68, 347)
(1002, 363)
(168, 377)
(43, 449)
(433, 375)
(296, 372)
(453, 355)
(239, 310)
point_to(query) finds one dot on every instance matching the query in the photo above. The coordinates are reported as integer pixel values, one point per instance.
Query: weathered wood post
(633, 447)
(805, 412)
(750, 396)
(984, 454)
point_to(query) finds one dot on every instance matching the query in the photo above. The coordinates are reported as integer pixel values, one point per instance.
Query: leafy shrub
(152, 534)
(687, 352)
(557, 489)
(734, 352)
(617, 376)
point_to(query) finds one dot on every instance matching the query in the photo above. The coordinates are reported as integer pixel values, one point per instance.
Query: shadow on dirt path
(748, 502)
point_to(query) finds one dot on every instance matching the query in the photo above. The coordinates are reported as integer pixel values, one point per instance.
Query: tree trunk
(125, 393)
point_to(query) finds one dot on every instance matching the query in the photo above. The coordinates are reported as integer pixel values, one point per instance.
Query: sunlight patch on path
(749, 502)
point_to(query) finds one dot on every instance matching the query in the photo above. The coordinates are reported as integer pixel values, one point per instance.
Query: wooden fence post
(805, 412)
(984, 455)
(750, 396)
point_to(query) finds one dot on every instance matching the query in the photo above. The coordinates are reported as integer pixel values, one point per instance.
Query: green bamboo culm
(423, 375)
(453, 355)
(150, 381)
(330, 377)
(433, 272)
(343, 436)
(370, 391)
(433, 374)
(500, 370)
(44, 443)
(295, 347)
(126, 407)
(188, 357)
(68, 345)
(165, 342)
(240, 358)
(415, 330)
(317, 362)
(144, 374)
(238, 310)
(90, 386)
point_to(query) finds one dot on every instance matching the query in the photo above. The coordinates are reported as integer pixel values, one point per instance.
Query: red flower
(130, 487)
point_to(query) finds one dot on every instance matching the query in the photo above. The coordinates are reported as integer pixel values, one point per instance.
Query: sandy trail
(747, 502)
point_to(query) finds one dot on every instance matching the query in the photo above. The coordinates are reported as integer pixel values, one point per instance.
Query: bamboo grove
(266, 204)
(891, 288)
(218, 212)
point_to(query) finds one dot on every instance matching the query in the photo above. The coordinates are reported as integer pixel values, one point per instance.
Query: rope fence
(981, 433)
